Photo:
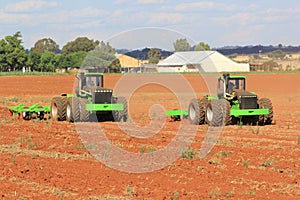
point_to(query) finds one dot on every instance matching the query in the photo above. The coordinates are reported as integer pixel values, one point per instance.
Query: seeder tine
(46, 109)
(175, 118)
(11, 113)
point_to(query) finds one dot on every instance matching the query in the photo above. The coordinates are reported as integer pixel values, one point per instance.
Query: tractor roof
(233, 77)
(93, 74)
(237, 76)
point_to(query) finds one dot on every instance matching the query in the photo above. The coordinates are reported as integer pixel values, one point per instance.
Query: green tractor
(90, 100)
(232, 105)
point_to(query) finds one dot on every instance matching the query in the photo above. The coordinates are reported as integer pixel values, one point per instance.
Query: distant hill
(256, 49)
(227, 50)
(143, 54)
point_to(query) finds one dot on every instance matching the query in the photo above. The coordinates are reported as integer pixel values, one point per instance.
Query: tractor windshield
(236, 83)
(93, 80)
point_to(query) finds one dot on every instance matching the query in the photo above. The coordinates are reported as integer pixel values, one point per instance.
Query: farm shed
(200, 61)
(128, 63)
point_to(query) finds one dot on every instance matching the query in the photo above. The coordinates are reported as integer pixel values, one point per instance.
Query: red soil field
(48, 159)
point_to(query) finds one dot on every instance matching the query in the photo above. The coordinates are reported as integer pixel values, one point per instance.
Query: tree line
(46, 56)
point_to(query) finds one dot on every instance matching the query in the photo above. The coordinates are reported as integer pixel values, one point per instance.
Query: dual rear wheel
(69, 109)
(214, 112)
(217, 112)
(121, 115)
(73, 109)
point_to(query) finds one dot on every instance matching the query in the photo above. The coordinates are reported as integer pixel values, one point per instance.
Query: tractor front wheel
(226, 104)
(265, 103)
(121, 115)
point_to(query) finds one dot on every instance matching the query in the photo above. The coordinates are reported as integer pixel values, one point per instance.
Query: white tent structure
(200, 61)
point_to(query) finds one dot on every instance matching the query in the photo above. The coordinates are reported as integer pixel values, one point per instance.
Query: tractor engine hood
(96, 89)
(98, 94)
(102, 95)
(243, 93)
(246, 99)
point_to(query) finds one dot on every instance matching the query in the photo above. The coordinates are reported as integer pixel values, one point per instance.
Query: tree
(232, 56)
(270, 65)
(181, 45)
(80, 44)
(107, 48)
(277, 54)
(103, 56)
(45, 44)
(154, 56)
(100, 58)
(47, 62)
(33, 60)
(3, 63)
(77, 58)
(73, 60)
(12, 54)
(115, 66)
(201, 46)
(65, 61)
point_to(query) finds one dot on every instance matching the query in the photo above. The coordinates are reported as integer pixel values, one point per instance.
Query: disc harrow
(30, 112)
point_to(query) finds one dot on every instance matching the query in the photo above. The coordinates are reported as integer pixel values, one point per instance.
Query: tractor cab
(233, 89)
(91, 85)
(228, 84)
(90, 80)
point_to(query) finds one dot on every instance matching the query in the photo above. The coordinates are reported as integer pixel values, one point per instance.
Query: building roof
(207, 61)
(185, 57)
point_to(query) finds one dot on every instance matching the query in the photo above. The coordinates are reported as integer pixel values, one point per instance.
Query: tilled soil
(149, 157)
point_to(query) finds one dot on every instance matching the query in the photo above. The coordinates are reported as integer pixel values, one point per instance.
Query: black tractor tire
(58, 109)
(26, 116)
(121, 115)
(41, 115)
(215, 113)
(196, 111)
(264, 103)
(228, 118)
(84, 114)
(72, 110)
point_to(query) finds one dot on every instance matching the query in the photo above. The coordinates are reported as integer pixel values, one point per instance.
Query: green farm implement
(177, 115)
(29, 112)
(232, 105)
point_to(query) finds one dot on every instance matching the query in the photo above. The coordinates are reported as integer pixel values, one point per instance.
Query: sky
(153, 23)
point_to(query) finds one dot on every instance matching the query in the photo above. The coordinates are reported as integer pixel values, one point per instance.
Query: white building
(200, 61)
